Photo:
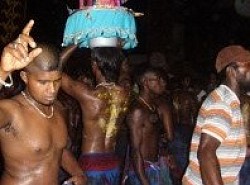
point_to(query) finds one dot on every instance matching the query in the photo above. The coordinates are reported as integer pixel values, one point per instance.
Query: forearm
(139, 167)
(3, 76)
(210, 169)
(70, 164)
(169, 133)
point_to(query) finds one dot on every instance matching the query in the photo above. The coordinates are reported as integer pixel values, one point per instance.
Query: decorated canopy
(101, 23)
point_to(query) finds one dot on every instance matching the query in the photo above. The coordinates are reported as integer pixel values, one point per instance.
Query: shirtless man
(145, 121)
(33, 132)
(103, 107)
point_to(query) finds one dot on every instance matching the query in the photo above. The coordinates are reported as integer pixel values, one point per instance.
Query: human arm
(71, 166)
(214, 130)
(73, 87)
(166, 116)
(16, 54)
(69, 85)
(176, 108)
(135, 122)
(125, 166)
(209, 165)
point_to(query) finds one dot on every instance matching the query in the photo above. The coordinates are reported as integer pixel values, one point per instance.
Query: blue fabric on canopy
(86, 24)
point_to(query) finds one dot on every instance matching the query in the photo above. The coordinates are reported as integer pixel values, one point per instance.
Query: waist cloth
(101, 168)
(157, 173)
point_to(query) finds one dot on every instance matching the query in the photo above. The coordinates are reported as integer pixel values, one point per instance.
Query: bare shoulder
(136, 107)
(10, 105)
(136, 113)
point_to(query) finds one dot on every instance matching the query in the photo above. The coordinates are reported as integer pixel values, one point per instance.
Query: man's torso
(103, 113)
(31, 144)
(221, 103)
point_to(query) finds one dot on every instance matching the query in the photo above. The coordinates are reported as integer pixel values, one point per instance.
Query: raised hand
(16, 55)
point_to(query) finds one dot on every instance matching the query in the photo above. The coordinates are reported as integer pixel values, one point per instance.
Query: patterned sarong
(101, 168)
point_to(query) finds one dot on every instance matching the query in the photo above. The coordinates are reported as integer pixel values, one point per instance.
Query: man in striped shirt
(218, 145)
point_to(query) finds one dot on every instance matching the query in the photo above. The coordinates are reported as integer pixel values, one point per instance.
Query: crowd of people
(120, 124)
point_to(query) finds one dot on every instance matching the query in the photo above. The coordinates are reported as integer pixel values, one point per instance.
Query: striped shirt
(220, 117)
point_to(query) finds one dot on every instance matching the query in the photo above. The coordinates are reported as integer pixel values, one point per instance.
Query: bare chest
(34, 135)
(152, 123)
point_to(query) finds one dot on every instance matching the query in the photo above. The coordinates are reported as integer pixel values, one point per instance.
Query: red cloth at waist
(98, 162)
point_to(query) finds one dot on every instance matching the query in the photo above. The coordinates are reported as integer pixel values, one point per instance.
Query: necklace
(151, 108)
(31, 102)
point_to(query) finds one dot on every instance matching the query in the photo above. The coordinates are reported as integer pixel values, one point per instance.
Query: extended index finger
(28, 27)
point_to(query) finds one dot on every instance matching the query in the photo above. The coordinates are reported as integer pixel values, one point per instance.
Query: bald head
(48, 60)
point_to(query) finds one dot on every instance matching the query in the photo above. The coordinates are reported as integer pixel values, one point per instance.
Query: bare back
(103, 109)
(102, 117)
(31, 144)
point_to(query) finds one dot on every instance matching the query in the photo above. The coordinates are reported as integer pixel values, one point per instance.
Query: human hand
(76, 180)
(123, 179)
(15, 55)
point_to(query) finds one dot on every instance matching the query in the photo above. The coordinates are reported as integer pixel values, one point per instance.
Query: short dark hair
(109, 61)
(48, 60)
(145, 69)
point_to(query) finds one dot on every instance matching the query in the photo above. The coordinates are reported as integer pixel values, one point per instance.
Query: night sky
(50, 17)
(207, 27)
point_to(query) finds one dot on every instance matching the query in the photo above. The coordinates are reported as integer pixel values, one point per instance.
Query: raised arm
(16, 54)
(72, 87)
(136, 123)
(69, 85)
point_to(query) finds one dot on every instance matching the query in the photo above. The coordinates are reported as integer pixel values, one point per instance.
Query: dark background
(188, 32)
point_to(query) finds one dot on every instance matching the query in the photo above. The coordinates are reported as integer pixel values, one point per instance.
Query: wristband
(5, 84)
